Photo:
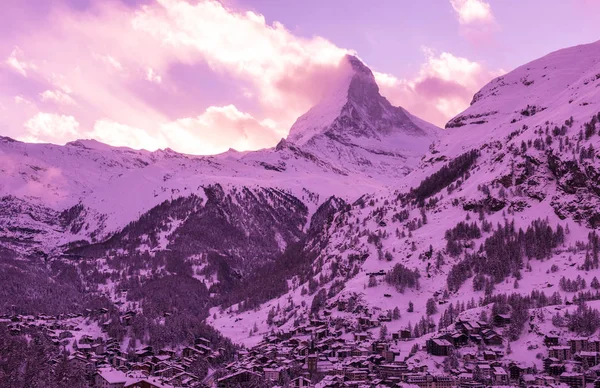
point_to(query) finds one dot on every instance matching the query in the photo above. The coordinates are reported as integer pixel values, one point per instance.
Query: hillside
(364, 217)
(522, 157)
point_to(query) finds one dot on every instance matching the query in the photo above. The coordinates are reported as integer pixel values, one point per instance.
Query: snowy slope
(359, 129)
(529, 168)
(117, 184)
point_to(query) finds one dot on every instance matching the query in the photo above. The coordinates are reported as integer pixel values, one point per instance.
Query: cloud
(477, 22)
(49, 127)
(221, 128)
(108, 57)
(57, 96)
(243, 45)
(472, 11)
(215, 130)
(443, 87)
(117, 134)
(152, 76)
(105, 55)
(16, 64)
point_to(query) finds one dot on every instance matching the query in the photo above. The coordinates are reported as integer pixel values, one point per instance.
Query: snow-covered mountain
(359, 129)
(361, 146)
(521, 157)
(505, 200)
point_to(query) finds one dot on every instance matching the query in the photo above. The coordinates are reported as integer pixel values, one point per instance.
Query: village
(325, 352)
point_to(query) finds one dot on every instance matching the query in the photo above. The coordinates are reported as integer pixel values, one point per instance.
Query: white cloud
(109, 60)
(58, 97)
(50, 127)
(117, 134)
(472, 11)
(218, 129)
(19, 100)
(17, 64)
(152, 76)
(443, 87)
(275, 61)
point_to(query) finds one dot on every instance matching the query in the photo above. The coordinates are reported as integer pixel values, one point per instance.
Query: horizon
(202, 77)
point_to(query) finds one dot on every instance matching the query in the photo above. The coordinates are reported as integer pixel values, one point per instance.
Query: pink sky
(201, 76)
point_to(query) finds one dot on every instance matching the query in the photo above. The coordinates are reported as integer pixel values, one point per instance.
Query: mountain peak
(353, 110)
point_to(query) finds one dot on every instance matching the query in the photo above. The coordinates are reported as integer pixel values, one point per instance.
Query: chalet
(556, 369)
(361, 336)
(236, 379)
(301, 382)
(483, 372)
(468, 327)
(551, 340)
(593, 345)
(560, 352)
(573, 379)
(146, 383)
(501, 320)
(578, 344)
(499, 376)
(439, 347)
(402, 334)
(356, 374)
(202, 341)
(489, 355)
(272, 374)
(588, 359)
(379, 347)
(516, 371)
(110, 378)
(490, 337)
(458, 339)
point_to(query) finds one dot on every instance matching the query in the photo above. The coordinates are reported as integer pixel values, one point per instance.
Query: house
(499, 376)
(272, 374)
(560, 352)
(392, 370)
(236, 379)
(588, 359)
(444, 382)
(202, 341)
(439, 347)
(402, 334)
(109, 378)
(422, 381)
(458, 339)
(551, 340)
(483, 372)
(516, 371)
(573, 379)
(578, 344)
(301, 382)
(501, 320)
(147, 383)
(488, 355)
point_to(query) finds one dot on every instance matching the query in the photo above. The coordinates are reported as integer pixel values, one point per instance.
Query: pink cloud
(477, 22)
(50, 127)
(96, 58)
(443, 87)
(17, 64)
(88, 66)
(215, 130)
(472, 11)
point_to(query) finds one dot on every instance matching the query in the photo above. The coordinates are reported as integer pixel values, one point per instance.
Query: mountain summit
(355, 108)
(355, 123)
